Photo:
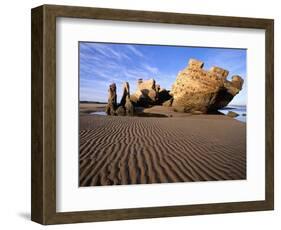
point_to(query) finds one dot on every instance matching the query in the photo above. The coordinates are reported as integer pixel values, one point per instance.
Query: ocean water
(239, 109)
(102, 113)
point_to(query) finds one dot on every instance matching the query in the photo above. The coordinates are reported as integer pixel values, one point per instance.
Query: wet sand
(117, 150)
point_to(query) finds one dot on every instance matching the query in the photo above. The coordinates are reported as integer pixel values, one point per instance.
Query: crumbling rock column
(126, 92)
(126, 106)
(112, 100)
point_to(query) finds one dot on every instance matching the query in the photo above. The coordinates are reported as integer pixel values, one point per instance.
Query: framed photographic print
(141, 114)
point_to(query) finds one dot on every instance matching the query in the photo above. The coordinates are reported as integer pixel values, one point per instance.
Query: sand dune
(137, 150)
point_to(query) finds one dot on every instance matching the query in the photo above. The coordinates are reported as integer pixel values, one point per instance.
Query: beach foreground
(122, 150)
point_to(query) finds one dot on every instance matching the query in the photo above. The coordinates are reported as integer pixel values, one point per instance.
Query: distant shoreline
(92, 102)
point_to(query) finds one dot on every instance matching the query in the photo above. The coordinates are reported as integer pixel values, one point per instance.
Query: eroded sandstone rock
(149, 93)
(126, 92)
(129, 107)
(112, 100)
(146, 92)
(125, 107)
(232, 114)
(126, 100)
(120, 111)
(196, 89)
(168, 103)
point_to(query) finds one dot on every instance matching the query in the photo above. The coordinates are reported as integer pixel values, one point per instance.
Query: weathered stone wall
(149, 93)
(196, 89)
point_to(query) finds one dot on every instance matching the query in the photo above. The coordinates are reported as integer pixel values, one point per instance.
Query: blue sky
(104, 63)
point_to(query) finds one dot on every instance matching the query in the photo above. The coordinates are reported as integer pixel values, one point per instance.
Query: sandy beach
(122, 150)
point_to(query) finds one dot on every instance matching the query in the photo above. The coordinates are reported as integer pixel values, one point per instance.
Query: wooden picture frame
(43, 208)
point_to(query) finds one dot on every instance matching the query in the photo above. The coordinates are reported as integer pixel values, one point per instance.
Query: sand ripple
(136, 150)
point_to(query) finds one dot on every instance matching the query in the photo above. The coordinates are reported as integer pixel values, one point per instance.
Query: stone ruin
(194, 90)
(149, 93)
(125, 107)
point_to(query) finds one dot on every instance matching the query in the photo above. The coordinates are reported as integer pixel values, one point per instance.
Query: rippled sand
(139, 150)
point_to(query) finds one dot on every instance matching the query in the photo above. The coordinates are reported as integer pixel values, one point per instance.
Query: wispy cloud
(135, 51)
(102, 64)
(106, 51)
(151, 69)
